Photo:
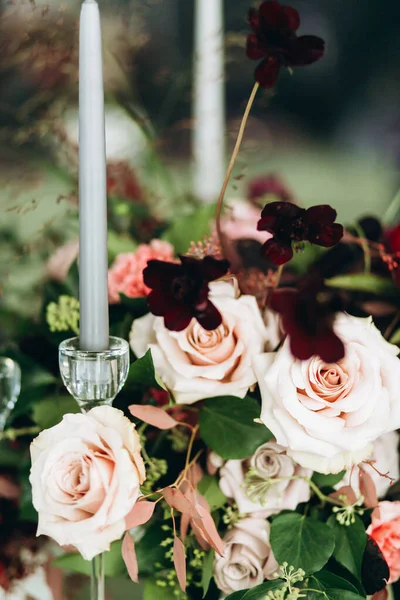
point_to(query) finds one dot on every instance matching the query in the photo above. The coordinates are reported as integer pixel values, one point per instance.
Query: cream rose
(328, 415)
(261, 484)
(195, 363)
(85, 477)
(247, 559)
(385, 461)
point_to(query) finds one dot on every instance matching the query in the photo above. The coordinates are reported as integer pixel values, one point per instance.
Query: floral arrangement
(252, 453)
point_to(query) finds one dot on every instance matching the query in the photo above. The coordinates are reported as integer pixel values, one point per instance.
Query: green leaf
(301, 541)
(237, 595)
(141, 373)
(260, 591)
(209, 488)
(119, 244)
(364, 282)
(113, 562)
(395, 339)
(331, 480)
(49, 411)
(227, 426)
(152, 591)
(349, 544)
(137, 307)
(149, 550)
(193, 227)
(333, 594)
(207, 571)
(328, 580)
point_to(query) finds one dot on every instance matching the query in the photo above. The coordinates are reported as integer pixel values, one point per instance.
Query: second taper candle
(93, 257)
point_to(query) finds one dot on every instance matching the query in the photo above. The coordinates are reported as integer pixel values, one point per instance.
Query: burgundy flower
(289, 223)
(307, 315)
(180, 292)
(276, 43)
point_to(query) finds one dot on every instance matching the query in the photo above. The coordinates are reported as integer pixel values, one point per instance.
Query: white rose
(385, 459)
(85, 477)
(32, 587)
(328, 415)
(247, 559)
(195, 363)
(261, 486)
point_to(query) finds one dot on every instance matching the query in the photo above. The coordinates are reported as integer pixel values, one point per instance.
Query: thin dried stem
(232, 164)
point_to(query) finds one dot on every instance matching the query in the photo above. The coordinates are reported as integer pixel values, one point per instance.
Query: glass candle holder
(94, 378)
(10, 387)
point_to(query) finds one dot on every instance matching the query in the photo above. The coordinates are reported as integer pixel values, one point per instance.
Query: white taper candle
(93, 260)
(209, 101)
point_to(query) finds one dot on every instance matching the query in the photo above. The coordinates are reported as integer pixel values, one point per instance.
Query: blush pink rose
(60, 262)
(197, 364)
(385, 530)
(327, 416)
(242, 480)
(85, 477)
(126, 274)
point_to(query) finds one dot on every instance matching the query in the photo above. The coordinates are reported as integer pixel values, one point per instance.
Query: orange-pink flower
(385, 530)
(126, 274)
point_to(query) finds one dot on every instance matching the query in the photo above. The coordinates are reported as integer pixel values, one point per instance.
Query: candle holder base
(94, 378)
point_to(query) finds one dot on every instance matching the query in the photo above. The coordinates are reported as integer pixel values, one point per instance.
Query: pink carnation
(126, 274)
(385, 530)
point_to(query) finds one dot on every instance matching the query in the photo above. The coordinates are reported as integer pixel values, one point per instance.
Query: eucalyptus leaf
(237, 595)
(207, 571)
(350, 544)
(227, 426)
(301, 541)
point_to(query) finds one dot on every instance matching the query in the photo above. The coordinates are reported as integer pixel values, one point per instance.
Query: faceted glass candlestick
(10, 387)
(94, 378)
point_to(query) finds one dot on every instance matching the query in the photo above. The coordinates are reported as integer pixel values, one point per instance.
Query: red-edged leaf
(153, 416)
(346, 491)
(129, 556)
(8, 489)
(180, 562)
(185, 520)
(209, 530)
(382, 595)
(367, 488)
(175, 498)
(140, 514)
(195, 474)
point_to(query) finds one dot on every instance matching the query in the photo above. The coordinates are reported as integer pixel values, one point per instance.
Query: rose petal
(140, 514)
(292, 17)
(346, 491)
(306, 50)
(129, 556)
(8, 489)
(157, 417)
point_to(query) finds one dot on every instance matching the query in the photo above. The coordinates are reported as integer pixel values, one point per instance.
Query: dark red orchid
(180, 291)
(289, 223)
(276, 43)
(307, 315)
